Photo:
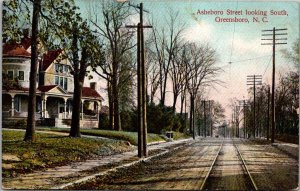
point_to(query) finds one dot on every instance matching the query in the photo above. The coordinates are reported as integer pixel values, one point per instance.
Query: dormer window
(56, 68)
(61, 69)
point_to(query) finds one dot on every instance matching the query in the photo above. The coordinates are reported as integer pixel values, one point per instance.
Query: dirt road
(186, 168)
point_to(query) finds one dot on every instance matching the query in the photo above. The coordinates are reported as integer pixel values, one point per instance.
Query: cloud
(244, 46)
(201, 31)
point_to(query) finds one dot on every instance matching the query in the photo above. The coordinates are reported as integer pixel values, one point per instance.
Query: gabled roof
(15, 50)
(26, 42)
(46, 88)
(89, 92)
(52, 89)
(49, 57)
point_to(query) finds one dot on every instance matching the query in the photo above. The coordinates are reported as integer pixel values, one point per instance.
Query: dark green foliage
(162, 118)
(103, 121)
(286, 105)
(128, 120)
(159, 119)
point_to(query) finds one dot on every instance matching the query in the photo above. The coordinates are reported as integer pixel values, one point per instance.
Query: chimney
(93, 85)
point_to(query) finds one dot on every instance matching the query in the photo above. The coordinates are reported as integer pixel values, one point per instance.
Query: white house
(54, 92)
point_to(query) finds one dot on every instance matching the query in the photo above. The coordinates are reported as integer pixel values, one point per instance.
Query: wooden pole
(273, 91)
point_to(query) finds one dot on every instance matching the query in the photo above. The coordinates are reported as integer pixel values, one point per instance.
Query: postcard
(150, 94)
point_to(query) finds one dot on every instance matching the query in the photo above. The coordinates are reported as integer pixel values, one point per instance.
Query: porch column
(12, 104)
(44, 110)
(65, 107)
(98, 109)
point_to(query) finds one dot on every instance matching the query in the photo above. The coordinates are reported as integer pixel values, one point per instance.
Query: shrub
(103, 121)
(21, 124)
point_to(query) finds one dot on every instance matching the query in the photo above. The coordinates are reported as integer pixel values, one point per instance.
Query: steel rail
(245, 166)
(211, 167)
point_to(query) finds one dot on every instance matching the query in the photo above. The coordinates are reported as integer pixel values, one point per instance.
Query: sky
(238, 44)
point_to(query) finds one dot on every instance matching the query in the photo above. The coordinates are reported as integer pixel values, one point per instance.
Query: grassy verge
(50, 150)
(121, 135)
(178, 135)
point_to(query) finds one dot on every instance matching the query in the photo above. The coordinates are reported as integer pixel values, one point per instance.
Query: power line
(267, 66)
(233, 34)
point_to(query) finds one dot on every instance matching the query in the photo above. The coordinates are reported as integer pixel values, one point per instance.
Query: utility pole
(274, 43)
(205, 116)
(254, 80)
(244, 104)
(268, 117)
(237, 114)
(141, 89)
(210, 102)
(204, 103)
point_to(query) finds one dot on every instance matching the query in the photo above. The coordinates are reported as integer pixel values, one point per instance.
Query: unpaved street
(186, 169)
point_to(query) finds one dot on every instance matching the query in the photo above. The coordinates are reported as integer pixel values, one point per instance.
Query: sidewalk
(62, 176)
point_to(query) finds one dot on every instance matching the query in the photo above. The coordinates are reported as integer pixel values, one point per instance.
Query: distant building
(54, 92)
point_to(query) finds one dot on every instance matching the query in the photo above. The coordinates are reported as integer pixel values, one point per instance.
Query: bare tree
(178, 74)
(167, 41)
(117, 40)
(201, 60)
(152, 74)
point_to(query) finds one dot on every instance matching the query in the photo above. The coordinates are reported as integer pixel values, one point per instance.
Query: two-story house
(54, 92)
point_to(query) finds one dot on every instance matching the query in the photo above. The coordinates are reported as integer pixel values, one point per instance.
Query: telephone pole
(254, 80)
(205, 116)
(268, 117)
(141, 81)
(210, 103)
(244, 104)
(204, 110)
(274, 43)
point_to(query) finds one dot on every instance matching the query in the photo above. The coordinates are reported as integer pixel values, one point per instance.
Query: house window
(61, 69)
(21, 75)
(56, 80)
(66, 83)
(10, 74)
(66, 69)
(61, 81)
(56, 68)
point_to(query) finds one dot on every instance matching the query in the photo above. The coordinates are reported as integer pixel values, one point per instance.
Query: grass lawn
(178, 135)
(50, 150)
(132, 137)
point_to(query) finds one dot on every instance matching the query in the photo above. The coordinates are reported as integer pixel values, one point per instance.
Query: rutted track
(184, 169)
(228, 171)
(211, 163)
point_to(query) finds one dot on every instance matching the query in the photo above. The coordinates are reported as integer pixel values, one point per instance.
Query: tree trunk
(175, 96)
(79, 75)
(181, 104)
(115, 93)
(30, 128)
(111, 106)
(191, 115)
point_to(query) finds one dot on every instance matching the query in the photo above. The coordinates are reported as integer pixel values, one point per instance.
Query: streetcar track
(244, 166)
(211, 167)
